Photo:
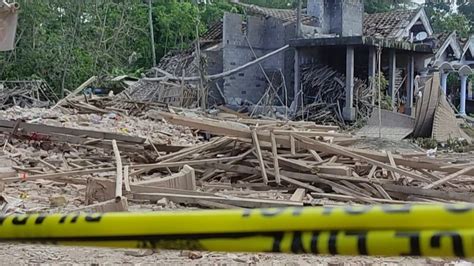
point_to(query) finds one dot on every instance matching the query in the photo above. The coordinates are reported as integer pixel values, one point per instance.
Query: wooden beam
(392, 163)
(119, 176)
(185, 180)
(126, 179)
(276, 166)
(46, 129)
(241, 202)
(76, 91)
(259, 156)
(298, 195)
(119, 204)
(447, 195)
(336, 149)
(448, 178)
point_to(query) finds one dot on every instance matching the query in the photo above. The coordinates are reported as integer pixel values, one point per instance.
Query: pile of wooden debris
(245, 163)
(324, 95)
(26, 93)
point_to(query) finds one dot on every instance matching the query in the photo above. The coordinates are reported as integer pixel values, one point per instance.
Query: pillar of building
(392, 75)
(372, 62)
(410, 85)
(462, 104)
(349, 112)
(469, 90)
(372, 69)
(297, 83)
(444, 81)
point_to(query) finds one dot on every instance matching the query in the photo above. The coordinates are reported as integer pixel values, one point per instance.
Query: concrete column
(392, 75)
(444, 81)
(297, 86)
(462, 104)
(349, 111)
(410, 87)
(372, 62)
(372, 70)
(469, 90)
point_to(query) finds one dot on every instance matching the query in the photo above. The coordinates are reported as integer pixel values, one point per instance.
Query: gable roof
(213, 33)
(468, 47)
(286, 15)
(394, 24)
(450, 41)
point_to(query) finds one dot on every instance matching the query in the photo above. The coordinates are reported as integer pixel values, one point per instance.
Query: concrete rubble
(62, 160)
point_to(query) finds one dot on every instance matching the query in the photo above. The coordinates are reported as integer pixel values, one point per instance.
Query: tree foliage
(377, 6)
(65, 41)
(467, 9)
(445, 19)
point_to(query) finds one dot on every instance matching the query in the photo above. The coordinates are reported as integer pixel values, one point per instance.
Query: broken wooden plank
(241, 202)
(185, 180)
(126, 179)
(61, 174)
(119, 204)
(392, 163)
(316, 155)
(276, 166)
(448, 178)
(300, 184)
(119, 176)
(259, 155)
(298, 195)
(447, 195)
(46, 129)
(76, 91)
(336, 149)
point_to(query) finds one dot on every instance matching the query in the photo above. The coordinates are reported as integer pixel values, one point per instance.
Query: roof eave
(361, 41)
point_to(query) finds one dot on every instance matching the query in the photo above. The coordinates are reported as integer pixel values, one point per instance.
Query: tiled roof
(214, 33)
(388, 23)
(287, 15)
(440, 38)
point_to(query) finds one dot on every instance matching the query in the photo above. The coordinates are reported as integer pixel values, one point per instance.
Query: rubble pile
(25, 93)
(324, 95)
(66, 159)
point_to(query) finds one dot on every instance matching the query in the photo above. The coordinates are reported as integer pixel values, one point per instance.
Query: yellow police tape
(429, 243)
(427, 230)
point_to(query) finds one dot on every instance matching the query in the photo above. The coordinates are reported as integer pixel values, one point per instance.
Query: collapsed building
(329, 70)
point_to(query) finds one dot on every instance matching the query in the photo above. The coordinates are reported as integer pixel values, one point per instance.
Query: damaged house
(328, 70)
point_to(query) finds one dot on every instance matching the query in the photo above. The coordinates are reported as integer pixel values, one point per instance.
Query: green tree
(378, 6)
(444, 19)
(467, 9)
(66, 41)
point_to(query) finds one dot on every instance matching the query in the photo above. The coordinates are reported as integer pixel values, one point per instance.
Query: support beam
(444, 81)
(392, 75)
(469, 90)
(349, 111)
(410, 87)
(372, 61)
(297, 86)
(372, 69)
(462, 104)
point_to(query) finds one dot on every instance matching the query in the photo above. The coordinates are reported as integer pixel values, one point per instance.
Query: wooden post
(276, 165)
(152, 34)
(119, 177)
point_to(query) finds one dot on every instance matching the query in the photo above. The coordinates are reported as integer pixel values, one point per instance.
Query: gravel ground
(31, 254)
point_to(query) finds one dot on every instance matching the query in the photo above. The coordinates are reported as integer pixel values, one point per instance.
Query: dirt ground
(33, 254)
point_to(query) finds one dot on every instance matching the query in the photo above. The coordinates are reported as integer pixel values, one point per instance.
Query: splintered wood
(242, 163)
(302, 156)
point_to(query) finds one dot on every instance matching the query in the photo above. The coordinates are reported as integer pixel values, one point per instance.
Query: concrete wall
(214, 66)
(264, 35)
(342, 17)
